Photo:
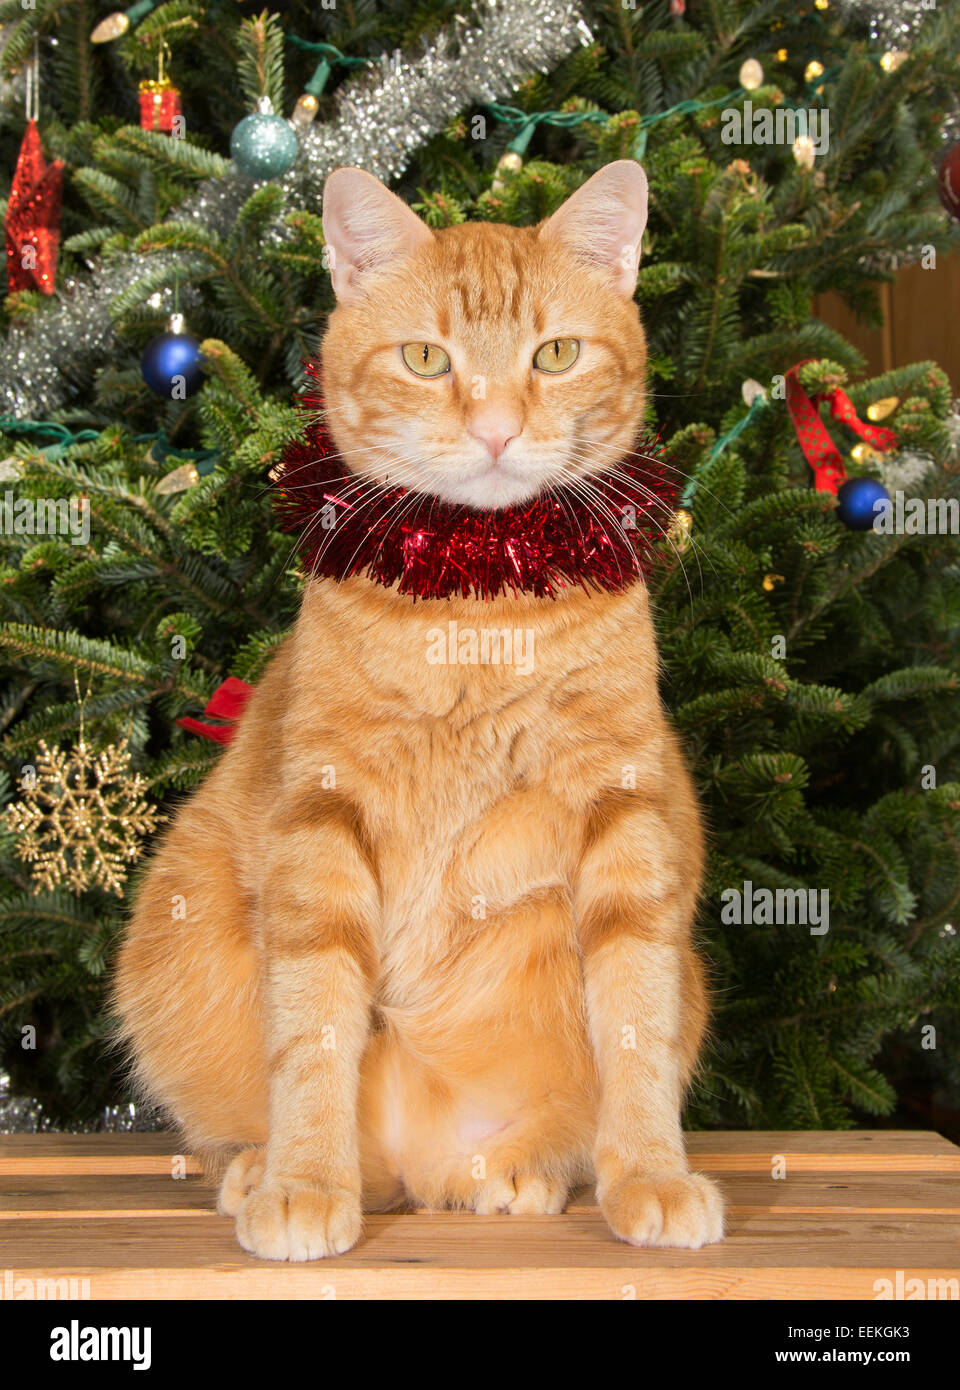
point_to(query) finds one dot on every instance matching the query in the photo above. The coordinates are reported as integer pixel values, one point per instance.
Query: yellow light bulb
(179, 480)
(678, 532)
(864, 453)
(812, 71)
(804, 151)
(750, 390)
(751, 75)
(892, 60)
(113, 27)
(306, 109)
(509, 163)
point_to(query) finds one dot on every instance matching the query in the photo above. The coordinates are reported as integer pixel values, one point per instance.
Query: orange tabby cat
(424, 933)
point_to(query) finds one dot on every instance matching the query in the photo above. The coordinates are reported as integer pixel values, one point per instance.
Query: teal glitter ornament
(263, 145)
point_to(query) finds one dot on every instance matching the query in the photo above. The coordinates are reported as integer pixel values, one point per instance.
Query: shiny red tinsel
(437, 550)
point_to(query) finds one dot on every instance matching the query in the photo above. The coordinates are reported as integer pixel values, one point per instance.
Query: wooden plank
(77, 1145)
(879, 1151)
(796, 1161)
(27, 1194)
(457, 1240)
(851, 1151)
(101, 1213)
(863, 1194)
(457, 1257)
(923, 316)
(105, 1154)
(918, 325)
(87, 1196)
(800, 1162)
(718, 1141)
(398, 1283)
(106, 1165)
(818, 1141)
(852, 1208)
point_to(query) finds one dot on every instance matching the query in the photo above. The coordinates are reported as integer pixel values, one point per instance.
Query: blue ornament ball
(263, 146)
(169, 357)
(855, 502)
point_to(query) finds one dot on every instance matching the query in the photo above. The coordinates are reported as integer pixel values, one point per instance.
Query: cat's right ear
(365, 226)
(602, 222)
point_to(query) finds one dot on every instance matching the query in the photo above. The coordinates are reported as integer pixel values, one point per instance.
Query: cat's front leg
(319, 900)
(646, 1012)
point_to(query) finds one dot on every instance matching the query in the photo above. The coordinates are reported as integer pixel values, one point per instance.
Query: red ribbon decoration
(228, 701)
(818, 448)
(432, 549)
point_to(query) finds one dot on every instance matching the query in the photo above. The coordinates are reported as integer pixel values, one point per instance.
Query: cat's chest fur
(464, 823)
(471, 738)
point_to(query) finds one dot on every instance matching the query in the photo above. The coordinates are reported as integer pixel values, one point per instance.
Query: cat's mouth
(490, 486)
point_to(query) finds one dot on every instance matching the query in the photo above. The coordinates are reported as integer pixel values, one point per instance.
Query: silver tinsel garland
(907, 470)
(381, 118)
(24, 1115)
(894, 26)
(893, 22)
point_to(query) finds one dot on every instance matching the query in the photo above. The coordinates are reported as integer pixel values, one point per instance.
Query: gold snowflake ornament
(82, 818)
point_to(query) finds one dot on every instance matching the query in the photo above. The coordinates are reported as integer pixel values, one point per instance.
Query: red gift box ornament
(32, 222)
(159, 104)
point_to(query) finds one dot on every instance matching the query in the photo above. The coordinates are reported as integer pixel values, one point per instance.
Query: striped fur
(424, 933)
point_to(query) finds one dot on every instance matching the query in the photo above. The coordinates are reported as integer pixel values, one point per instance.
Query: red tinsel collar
(438, 550)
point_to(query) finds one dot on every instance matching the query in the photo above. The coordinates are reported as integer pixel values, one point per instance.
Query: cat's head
(484, 363)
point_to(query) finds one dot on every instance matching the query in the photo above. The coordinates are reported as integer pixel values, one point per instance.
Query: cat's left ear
(602, 223)
(365, 227)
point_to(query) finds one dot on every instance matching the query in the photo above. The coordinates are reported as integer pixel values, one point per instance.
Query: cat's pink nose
(495, 430)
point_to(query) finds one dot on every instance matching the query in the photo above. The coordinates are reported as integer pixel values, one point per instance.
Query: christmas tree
(811, 667)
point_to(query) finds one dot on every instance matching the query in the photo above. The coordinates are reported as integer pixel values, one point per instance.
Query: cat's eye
(425, 359)
(557, 355)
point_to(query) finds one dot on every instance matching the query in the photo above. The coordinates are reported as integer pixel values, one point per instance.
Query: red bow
(818, 448)
(228, 701)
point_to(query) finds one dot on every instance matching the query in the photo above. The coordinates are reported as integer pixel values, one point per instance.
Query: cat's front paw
(294, 1220)
(684, 1210)
(521, 1194)
(243, 1175)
